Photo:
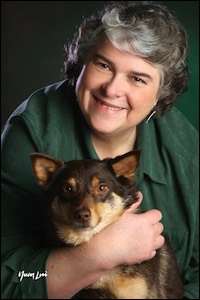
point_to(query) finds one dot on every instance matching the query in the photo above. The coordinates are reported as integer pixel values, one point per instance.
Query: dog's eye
(67, 188)
(102, 187)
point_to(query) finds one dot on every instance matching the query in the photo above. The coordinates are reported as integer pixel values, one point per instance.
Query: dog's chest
(124, 287)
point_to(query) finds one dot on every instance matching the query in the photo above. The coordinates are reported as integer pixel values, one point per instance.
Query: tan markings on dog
(95, 181)
(131, 286)
(98, 187)
(102, 214)
(122, 286)
(72, 181)
(110, 211)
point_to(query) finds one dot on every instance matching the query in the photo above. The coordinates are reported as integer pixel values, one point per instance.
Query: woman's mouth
(106, 106)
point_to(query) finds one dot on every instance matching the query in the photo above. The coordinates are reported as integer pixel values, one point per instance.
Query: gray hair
(144, 28)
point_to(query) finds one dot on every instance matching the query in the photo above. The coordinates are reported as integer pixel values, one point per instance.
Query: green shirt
(50, 121)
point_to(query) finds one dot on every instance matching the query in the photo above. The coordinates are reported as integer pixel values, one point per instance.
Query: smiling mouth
(109, 107)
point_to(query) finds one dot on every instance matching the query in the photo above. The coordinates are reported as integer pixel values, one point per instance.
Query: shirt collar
(151, 162)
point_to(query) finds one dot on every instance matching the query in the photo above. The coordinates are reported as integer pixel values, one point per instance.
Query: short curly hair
(144, 28)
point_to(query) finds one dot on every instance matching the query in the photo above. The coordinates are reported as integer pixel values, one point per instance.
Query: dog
(84, 196)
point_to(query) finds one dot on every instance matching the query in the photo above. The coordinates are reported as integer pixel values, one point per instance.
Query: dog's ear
(126, 165)
(44, 166)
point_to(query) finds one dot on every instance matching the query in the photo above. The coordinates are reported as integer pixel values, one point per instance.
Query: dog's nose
(82, 215)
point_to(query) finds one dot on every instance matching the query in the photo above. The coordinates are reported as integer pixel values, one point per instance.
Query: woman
(125, 69)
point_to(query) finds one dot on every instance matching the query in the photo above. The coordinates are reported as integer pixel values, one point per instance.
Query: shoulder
(44, 119)
(45, 112)
(51, 96)
(53, 100)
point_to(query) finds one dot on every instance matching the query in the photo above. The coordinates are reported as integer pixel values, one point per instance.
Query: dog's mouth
(84, 227)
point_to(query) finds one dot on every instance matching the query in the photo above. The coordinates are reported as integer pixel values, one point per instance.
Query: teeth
(109, 107)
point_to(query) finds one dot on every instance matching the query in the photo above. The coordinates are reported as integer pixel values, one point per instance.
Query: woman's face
(116, 90)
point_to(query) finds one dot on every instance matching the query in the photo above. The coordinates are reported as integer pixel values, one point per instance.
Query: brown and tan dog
(83, 197)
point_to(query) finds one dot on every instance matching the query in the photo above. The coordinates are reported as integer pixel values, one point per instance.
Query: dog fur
(84, 196)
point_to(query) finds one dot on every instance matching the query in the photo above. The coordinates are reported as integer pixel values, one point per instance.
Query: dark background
(33, 34)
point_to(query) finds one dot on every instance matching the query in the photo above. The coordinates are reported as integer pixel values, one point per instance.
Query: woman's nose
(114, 87)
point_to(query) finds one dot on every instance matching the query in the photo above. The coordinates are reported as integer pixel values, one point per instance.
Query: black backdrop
(33, 34)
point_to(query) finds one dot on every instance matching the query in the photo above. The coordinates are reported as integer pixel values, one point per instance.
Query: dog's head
(86, 195)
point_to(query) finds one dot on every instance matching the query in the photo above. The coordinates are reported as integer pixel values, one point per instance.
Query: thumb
(137, 203)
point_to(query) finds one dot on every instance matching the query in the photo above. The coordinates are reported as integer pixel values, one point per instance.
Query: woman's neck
(112, 146)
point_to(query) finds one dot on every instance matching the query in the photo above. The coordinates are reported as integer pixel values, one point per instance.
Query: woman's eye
(104, 66)
(137, 79)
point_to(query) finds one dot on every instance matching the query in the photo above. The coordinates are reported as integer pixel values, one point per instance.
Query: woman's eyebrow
(97, 56)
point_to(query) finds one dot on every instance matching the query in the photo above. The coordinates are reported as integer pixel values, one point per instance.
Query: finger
(137, 203)
(139, 196)
(153, 215)
(160, 228)
(160, 240)
(153, 254)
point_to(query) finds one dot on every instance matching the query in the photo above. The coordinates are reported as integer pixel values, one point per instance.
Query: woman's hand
(133, 238)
